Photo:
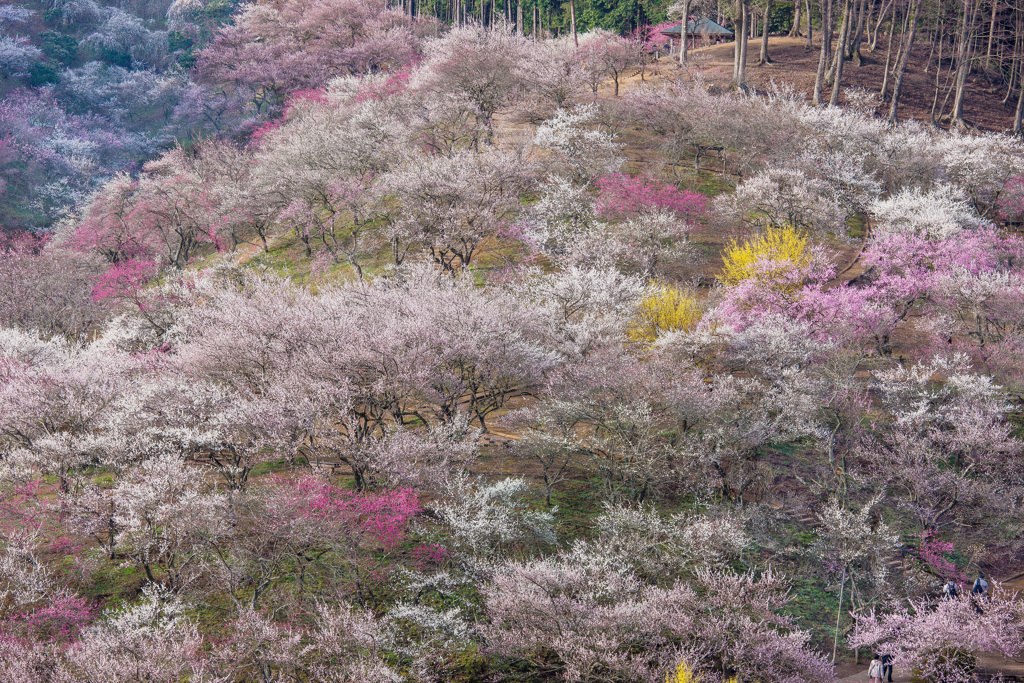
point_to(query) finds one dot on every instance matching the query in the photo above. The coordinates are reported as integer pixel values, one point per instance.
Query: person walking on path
(875, 670)
(979, 593)
(886, 667)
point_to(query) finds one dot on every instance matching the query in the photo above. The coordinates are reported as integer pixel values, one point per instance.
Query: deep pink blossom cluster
(935, 554)
(623, 195)
(384, 516)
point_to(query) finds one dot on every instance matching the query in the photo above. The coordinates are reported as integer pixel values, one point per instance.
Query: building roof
(701, 26)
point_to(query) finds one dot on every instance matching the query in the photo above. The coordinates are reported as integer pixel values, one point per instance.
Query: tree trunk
(844, 35)
(963, 63)
(794, 31)
(534, 34)
(938, 73)
(684, 33)
(840, 47)
(763, 58)
(1011, 84)
(810, 32)
(858, 34)
(881, 20)
(519, 18)
(572, 18)
(741, 76)
(901, 68)
(951, 86)
(991, 32)
(1016, 51)
(884, 92)
(826, 44)
(1020, 103)
(737, 41)
(1002, 50)
(936, 36)
(835, 643)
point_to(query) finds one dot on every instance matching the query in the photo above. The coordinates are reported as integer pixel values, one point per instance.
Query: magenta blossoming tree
(623, 195)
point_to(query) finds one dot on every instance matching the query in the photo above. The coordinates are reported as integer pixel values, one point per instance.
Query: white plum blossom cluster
(938, 213)
(582, 151)
(16, 52)
(486, 518)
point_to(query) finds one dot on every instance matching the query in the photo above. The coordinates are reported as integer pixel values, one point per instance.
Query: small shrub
(664, 309)
(682, 674)
(774, 250)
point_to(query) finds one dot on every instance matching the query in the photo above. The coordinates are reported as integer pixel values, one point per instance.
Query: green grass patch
(857, 226)
(117, 582)
(813, 607)
(276, 466)
(578, 502)
(106, 480)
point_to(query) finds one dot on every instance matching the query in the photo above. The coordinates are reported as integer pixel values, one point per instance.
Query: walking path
(863, 676)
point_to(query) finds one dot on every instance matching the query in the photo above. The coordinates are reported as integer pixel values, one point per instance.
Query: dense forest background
(90, 89)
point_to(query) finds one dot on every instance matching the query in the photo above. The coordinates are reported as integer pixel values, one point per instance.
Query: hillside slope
(794, 65)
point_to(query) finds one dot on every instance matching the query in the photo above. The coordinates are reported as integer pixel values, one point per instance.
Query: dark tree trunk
(1020, 103)
(901, 68)
(844, 35)
(963, 63)
(858, 34)
(826, 45)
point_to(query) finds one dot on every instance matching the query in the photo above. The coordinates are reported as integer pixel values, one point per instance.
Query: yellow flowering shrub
(785, 245)
(664, 309)
(682, 674)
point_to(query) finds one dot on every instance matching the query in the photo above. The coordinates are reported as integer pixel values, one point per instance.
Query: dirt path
(863, 676)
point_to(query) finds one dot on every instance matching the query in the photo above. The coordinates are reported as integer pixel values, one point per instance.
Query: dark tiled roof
(701, 26)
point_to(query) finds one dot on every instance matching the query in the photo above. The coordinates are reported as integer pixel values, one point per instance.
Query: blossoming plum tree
(273, 50)
(943, 641)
